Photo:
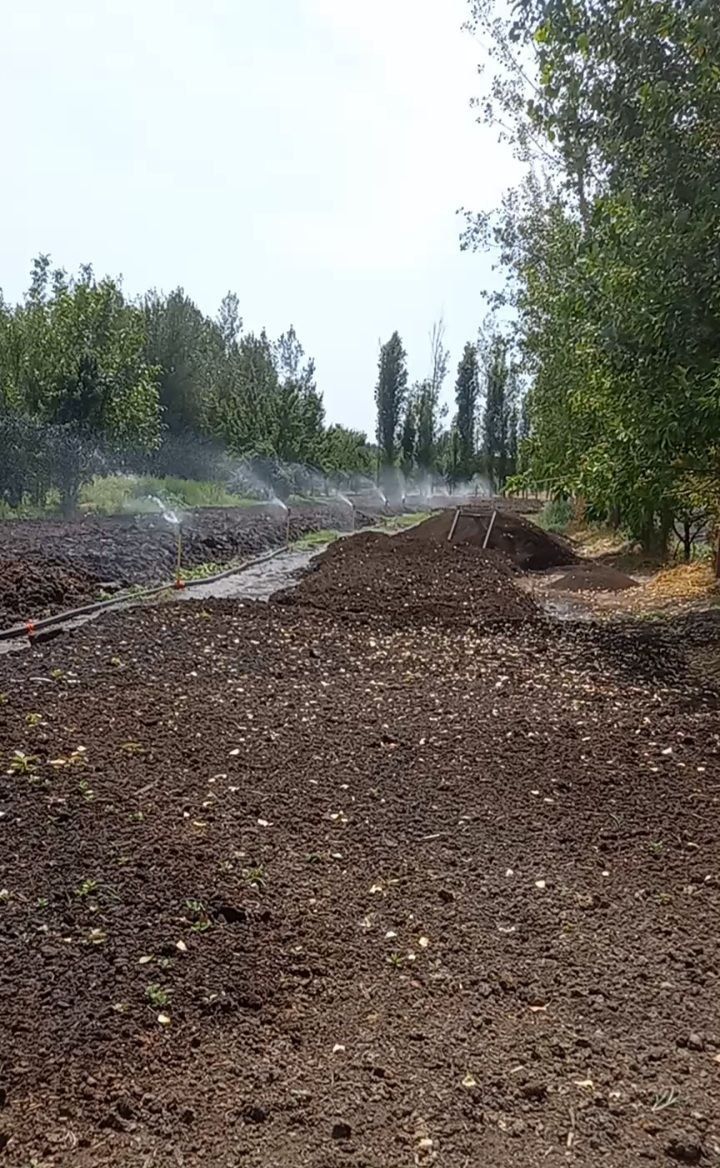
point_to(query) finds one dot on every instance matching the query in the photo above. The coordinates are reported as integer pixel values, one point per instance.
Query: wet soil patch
(591, 577)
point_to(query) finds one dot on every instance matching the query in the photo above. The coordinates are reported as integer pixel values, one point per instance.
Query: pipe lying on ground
(30, 627)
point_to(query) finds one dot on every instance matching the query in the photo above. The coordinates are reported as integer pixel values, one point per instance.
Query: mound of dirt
(406, 582)
(590, 577)
(525, 544)
(31, 589)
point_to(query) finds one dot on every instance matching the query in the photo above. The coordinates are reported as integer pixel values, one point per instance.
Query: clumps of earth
(32, 589)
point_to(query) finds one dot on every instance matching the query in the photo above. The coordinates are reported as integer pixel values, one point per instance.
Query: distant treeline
(92, 382)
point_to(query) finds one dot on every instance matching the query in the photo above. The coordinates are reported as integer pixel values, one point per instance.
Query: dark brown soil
(525, 544)
(122, 551)
(409, 581)
(32, 589)
(590, 577)
(284, 890)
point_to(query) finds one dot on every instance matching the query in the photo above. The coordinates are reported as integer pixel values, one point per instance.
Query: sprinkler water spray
(276, 502)
(173, 519)
(351, 505)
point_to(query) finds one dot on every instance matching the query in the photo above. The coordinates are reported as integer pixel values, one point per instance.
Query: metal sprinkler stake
(287, 528)
(454, 525)
(488, 533)
(179, 582)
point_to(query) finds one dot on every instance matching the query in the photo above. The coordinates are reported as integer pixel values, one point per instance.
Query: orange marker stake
(30, 628)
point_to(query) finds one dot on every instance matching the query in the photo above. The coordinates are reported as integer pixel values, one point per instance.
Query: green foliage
(467, 393)
(408, 438)
(390, 395)
(612, 257)
(185, 347)
(499, 420)
(91, 382)
(556, 515)
(115, 494)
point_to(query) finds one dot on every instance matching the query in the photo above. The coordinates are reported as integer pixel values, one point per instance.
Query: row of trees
(90, 379)
(612, 247)
(482, 437)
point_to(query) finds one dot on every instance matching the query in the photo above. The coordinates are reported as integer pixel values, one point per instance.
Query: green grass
(390, 524)
(400, 522)
(120, 494)
(315, 539)
(31, 510)
(556, 515)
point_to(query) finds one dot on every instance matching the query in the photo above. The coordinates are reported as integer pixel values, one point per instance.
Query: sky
(310, 155)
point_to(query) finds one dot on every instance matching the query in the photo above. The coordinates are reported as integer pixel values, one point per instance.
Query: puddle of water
(257, 583)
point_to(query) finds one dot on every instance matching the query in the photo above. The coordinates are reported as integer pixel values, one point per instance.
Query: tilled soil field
(46, 565)
(141, 549)
(32, 589)
(281, 888)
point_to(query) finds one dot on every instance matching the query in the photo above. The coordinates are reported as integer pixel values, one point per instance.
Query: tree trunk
(687, 541)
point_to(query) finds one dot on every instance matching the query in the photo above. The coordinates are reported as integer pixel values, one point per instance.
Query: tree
(408, 439)
(467, 392)
(611, 256)
(345, 454)
(185, 347)
(390, 395)
(499, 414)
(74, 353)
(229, 321)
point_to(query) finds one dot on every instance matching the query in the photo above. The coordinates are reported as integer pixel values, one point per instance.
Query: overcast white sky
(309, 154)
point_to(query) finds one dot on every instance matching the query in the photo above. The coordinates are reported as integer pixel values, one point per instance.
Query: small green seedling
(57, 674)
(87, 888)
(255, 877)
(666, 1099)
(198, 915)
(22, 764)
(157, 996)
(34, 719)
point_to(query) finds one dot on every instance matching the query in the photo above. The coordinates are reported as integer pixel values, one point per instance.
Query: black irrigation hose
(47, 622)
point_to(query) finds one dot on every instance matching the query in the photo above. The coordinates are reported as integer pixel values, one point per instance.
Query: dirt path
(285, 887)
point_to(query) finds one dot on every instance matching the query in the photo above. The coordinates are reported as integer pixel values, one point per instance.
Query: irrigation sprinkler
(179, 582)
(287, 526)
(351, 505)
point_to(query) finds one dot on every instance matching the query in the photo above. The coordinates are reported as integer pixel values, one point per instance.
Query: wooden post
(454, 525)
(488, 533)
